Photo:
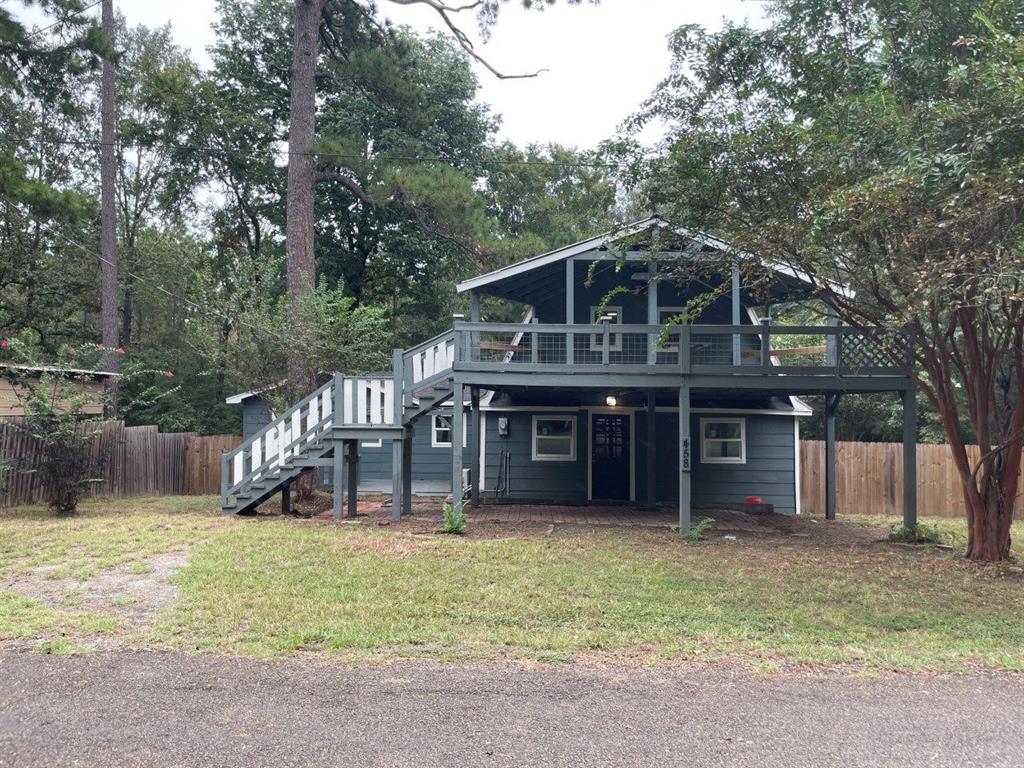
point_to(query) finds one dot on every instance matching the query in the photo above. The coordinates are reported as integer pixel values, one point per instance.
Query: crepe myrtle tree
(53, 395)
(876, 147)
(325, 35)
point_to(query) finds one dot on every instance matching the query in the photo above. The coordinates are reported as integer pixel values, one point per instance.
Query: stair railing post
(398, 378)
(606, 340)
(766, 348)
(460, 340)
(339, 400)
(685, 349)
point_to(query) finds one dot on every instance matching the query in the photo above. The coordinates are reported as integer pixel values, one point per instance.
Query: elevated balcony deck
(806, 358)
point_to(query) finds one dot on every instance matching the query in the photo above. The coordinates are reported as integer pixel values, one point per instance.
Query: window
(723, 441)
(378, 443)
(554, 438)
(597, 339)
(666, 316)
(441, 431)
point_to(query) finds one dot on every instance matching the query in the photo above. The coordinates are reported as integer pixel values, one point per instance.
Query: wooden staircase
(308, 434)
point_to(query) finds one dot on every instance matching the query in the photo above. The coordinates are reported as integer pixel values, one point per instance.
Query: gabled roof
(607, 238)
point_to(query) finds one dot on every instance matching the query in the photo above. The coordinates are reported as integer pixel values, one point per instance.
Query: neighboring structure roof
(606, 238)
(57, 369)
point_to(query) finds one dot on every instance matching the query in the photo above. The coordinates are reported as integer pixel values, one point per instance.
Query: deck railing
(709, 349)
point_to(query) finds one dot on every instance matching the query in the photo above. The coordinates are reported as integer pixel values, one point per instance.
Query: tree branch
(350, 184)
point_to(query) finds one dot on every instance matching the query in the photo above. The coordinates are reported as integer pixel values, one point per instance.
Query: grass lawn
(275, 586)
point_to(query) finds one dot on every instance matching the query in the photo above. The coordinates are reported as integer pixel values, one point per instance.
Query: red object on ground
(754, 500)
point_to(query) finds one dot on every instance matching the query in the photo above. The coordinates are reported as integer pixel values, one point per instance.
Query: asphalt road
(147, 709)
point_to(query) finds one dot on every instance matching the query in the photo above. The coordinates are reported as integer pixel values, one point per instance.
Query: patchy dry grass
(815, 594)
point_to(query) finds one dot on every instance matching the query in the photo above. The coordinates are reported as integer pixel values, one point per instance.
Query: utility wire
(343, 156)
(63, 19)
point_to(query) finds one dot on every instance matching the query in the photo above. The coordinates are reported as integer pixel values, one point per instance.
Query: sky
(602, 61)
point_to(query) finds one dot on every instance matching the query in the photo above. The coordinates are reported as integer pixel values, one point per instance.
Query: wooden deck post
(407, 470)
(685, 457)
(458, 421)
(831, 405)
(652, 311)
(910, 457)
(338, 478)
(474, 446)
(286, 499)
(353, 476)
(737, 306)
(570, 310)
(397, 478)
(652, 456)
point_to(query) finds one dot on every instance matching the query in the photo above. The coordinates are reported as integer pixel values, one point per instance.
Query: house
(87, 382)
(589, 399)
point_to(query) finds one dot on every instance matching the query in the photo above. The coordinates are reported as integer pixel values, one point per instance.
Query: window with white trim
(441, 431)
(723, 441)
(597, 339)
(378, 443)
(667, 316)
(554, 438)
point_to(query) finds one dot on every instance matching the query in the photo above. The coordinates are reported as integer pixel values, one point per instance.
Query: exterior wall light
(611, 401)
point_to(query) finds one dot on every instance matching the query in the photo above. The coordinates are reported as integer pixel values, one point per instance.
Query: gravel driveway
(149, 709)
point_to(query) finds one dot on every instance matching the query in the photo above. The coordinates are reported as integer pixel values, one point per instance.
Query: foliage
(53, 399)
(698, 529)
(921, 533)
(875, 145)
(453, 518)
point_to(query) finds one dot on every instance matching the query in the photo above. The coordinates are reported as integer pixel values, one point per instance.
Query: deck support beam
(286, 499)
(910, 457)
(652, 455)
(570, 309)
(458, 425)
(407, 471)
(474, 446)
(737, 307)
(352, 458)
(338, 479)
(831, 405)
(685, 458)
(397, 478)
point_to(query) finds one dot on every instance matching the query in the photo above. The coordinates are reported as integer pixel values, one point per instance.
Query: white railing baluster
(257, 455)
(389, 397)
(360, 415)
(238, 469)
(349, 398)
(312, 418)
(376, 416)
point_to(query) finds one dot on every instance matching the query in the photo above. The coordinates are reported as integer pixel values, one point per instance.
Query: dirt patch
(135, 593)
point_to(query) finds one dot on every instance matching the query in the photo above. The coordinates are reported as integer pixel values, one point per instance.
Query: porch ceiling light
(611, 401)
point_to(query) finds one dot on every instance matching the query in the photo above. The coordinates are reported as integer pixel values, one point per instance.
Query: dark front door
(610, 457)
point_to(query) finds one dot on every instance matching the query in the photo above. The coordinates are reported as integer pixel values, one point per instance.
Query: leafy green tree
(877, 145)
(544, 197)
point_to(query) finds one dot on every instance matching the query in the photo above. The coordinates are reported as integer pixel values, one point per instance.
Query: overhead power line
(397, 159)
(64, 19)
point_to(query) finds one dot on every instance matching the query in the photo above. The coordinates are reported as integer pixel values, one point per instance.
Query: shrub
(453, 518)
(922, 533)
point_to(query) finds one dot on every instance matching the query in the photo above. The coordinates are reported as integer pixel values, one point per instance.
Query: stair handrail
(270, 463)
(429, 342)
(283, 417)
(228, 456)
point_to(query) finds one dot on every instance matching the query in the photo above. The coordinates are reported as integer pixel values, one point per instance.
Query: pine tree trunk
(301, 177)
(108, 214)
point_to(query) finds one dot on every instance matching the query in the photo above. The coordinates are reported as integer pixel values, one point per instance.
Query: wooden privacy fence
(869, 479)
(135, 461)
